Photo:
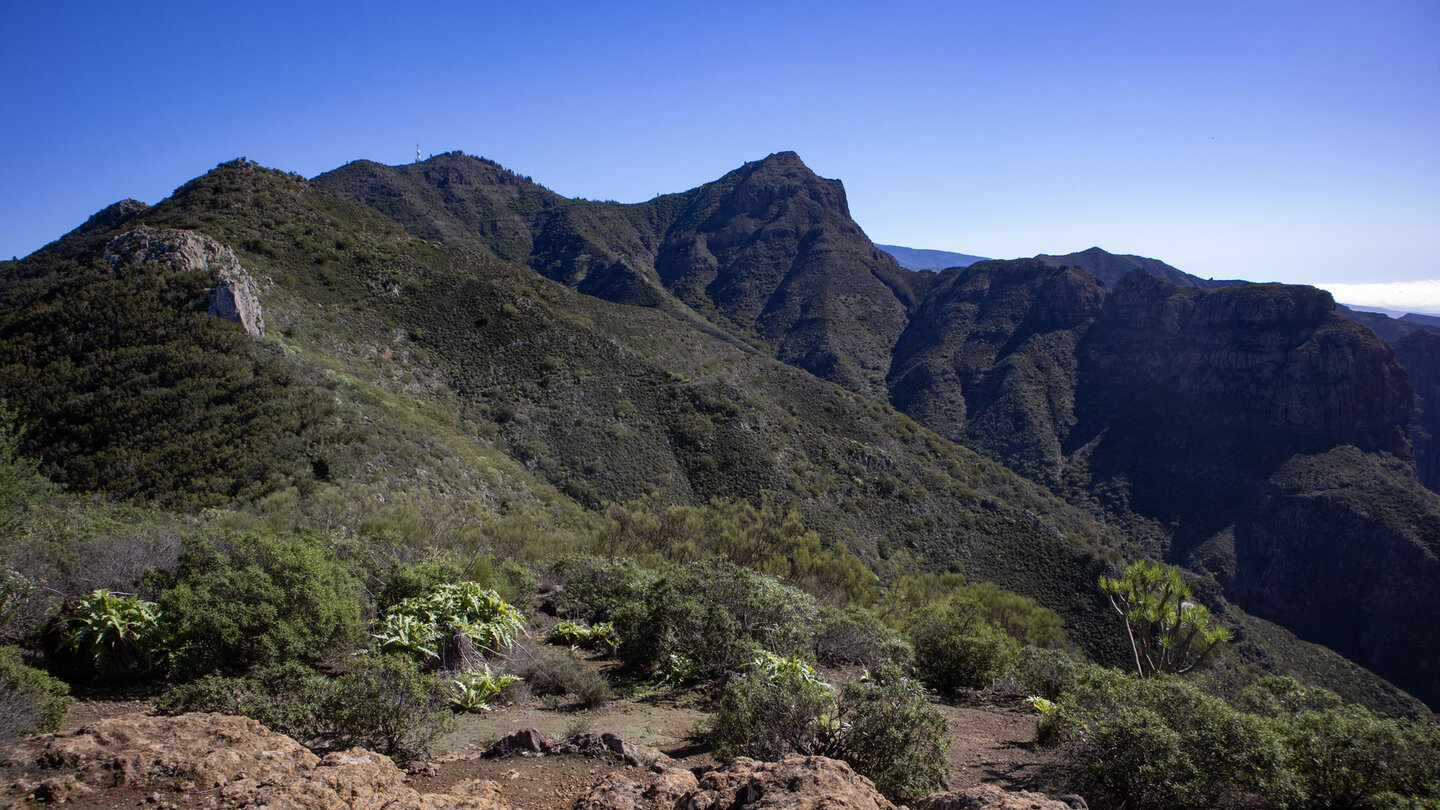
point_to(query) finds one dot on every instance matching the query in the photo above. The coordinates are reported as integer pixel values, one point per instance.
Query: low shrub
(956, 648)
(1346, 756)
(888, 732)
(31, 701)
(387, 703)
(1162, 742)
(551, 672)
(291, 699)
(713, 615)
(856, 636)
(593, 588)
(779, 707)
(558, 672)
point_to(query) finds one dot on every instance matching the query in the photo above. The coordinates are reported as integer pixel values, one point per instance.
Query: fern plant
(448, 618)
(119, 631)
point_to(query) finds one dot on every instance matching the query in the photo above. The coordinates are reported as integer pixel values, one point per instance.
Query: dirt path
(988, 744)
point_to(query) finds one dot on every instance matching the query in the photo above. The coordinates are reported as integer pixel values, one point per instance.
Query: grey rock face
(234, 296)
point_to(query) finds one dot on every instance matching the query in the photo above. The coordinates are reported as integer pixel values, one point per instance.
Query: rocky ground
(627, 755)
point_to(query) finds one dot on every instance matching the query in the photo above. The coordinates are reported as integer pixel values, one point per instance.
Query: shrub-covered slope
(456, 387)
(768, 251)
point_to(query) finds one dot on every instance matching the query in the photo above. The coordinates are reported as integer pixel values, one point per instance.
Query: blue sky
(1288, 141)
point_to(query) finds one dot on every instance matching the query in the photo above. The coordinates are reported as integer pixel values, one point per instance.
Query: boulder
(234, 761)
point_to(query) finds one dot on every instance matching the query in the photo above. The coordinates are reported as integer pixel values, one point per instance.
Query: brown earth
(989, 744)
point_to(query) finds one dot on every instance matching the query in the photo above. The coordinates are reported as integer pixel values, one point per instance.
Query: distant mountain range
(450, 326)
(923, 259)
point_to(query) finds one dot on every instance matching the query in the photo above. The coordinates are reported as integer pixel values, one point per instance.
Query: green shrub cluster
(576, 634)
(887, 730)
(712, 615)
(558, 673)
(882, 726)
(453, 626)
(594, 587)
(956, 648)
(31, 701)
(385, 703)
(256, 599)
(1162, 742)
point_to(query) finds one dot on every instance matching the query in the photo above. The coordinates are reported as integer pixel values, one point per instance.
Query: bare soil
(989, 743)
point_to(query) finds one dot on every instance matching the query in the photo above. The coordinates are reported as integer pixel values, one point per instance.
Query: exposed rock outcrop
(213, 760)
(234, 296)
(793, 783)
(989, 797)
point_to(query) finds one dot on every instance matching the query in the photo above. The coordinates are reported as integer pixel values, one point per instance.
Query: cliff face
(1193, 398)
(988, 359)
(1419, 354)
(1344, 549)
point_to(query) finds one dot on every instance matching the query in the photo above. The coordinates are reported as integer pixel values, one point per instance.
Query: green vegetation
(1168, 631)
(887, 731)
(31, 701)
(883, 726)
(120, 633)
(432, 440)
(258, 600)
(780, 707)
(710, 617)
(453, 626)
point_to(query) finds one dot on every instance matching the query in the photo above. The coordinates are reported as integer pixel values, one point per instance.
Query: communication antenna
(417, 153)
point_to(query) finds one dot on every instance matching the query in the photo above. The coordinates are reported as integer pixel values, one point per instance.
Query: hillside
(447, 393)
(1161, 409)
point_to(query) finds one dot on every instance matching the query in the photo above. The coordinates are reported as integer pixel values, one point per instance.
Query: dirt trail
(988, 744)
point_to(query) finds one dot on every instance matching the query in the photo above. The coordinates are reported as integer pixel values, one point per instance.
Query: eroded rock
(233, 762)
(234, 296)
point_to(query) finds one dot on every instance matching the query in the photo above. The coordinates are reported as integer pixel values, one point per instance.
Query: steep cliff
(988, 359)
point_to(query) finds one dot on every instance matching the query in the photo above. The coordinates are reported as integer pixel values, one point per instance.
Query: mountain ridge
(576, 399)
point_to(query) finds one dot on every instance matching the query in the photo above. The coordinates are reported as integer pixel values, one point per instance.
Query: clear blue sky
(1291, 141)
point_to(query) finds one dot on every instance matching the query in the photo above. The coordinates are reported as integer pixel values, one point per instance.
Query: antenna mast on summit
(417, 153)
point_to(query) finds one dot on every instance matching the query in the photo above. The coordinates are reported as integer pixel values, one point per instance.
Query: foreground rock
(989, 797)
(213, 760)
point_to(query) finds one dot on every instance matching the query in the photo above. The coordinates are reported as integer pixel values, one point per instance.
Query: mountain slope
(489, 403)
(768, 252)
(1110, 268)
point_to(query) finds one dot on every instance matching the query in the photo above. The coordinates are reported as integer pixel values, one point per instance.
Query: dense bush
(956, 648)
(1163, 743)
(258, 600)
(593, 588)
(291, 699)
(30, 700)
(887, 731)
(558, 672)
(388, 704)
(779, 707)
(856, 636)
(711, 616)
